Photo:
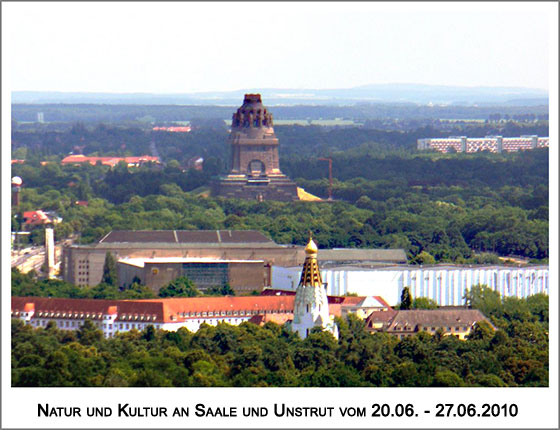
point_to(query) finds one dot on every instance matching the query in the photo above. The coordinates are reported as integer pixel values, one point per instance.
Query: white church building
(311, 306)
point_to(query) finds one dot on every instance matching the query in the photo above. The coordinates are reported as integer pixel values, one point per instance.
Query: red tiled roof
(35, 217)
(382, 301)
(262, 319)
(95, 308)
(162, 310)
(175, 308)
(351, 300)
(184, 129)
(342, 300)
(109, 161)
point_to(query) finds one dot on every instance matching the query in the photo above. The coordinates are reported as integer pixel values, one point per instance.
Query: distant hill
(377, 93)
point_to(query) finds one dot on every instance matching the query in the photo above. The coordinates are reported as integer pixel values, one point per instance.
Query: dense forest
(209, 137)
(516, 354)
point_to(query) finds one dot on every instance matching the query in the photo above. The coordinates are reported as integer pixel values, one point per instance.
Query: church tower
(254, 163)
(311, 306)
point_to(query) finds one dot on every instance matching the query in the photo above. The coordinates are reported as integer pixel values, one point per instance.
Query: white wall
(445, 285)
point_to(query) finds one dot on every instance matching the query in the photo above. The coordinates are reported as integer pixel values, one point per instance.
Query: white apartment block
(496, 144)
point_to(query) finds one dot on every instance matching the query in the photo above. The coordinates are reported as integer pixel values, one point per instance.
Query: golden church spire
(311, 304)
(310, 275)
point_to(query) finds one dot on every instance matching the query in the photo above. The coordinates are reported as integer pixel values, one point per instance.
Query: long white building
(444, 284)
(489, 143)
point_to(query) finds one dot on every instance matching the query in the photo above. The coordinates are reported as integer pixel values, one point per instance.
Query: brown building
(242, 276)
(254, 162)
(451, 321)
(83, 264)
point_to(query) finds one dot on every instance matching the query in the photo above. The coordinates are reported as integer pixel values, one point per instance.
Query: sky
(195, 47)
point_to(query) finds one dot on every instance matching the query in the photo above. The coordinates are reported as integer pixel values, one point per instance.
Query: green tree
(406, 299)
(424, 303)
(424, 257)
(110, 270)
(447, 378)
(180, 287)
(484, 299)
(89, 334)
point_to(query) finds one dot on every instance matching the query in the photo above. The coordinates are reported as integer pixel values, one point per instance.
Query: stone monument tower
(254, 166)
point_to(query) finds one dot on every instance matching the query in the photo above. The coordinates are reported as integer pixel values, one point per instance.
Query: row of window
(136, 317)
(233, 321)
(104, 326)
(230, 313)
(433, 329)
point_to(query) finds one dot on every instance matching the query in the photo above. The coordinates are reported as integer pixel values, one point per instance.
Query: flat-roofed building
(445, 284)
(83, 264)
(488, 143)
(242, 276)
(360, 257)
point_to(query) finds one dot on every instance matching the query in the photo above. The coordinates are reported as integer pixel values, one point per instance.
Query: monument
(254, 165)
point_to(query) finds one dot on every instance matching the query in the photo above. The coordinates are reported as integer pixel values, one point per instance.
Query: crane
(330, 175)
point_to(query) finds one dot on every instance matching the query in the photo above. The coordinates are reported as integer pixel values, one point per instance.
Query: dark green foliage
(406, 299)
(424, 303)
(224, 290)
(484, 299)
(110, 271)
(180, 287)
(249, 355)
